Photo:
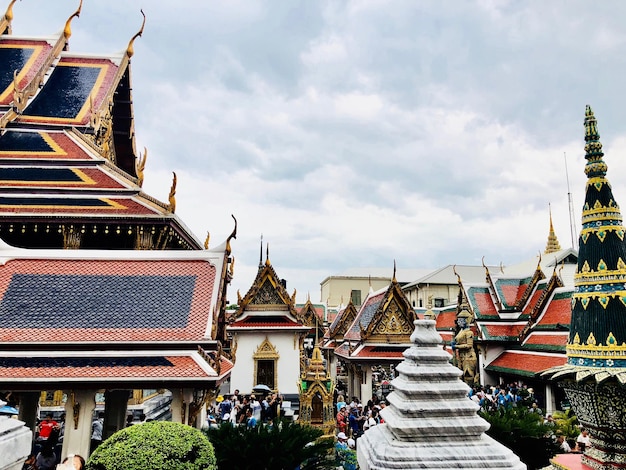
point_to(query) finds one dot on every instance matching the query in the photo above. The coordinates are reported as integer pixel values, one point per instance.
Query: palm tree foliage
(286, 445)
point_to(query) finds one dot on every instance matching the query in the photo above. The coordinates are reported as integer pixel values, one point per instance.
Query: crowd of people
(245, 410)
(492, 398)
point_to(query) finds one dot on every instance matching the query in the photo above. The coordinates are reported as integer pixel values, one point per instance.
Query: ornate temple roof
(597, 339)
(100, 315)
(267, 305)
(382, 326)
(67, 149)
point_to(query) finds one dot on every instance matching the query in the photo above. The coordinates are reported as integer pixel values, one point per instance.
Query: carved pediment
(394, 316)
(345, 320)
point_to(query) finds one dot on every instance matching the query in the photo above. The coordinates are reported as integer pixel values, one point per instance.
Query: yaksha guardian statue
(463, 347)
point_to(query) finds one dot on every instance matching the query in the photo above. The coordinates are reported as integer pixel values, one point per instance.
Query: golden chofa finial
(140, 166)
(172, 197)
(394, 272)
(130, 50)
(231, 236)
(267, 254)
(206, 240)
(67, 31)
(8, 17)
(458, 278)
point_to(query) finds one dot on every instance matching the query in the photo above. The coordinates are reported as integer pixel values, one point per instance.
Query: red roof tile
(503, 330)
(483, 304)
(549, 339)
(527, 364)
(559, 311)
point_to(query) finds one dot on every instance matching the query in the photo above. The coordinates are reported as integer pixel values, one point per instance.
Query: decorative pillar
(29, 403)
(115, 406)
(78, 413)
(550, 400)
(366, 387)
(177, 405)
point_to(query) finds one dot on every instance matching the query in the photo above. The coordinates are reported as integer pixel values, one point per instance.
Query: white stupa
(430, 421)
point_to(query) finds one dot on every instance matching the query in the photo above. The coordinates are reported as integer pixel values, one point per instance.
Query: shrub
(157, 445)
(524, 432)
(284, 446)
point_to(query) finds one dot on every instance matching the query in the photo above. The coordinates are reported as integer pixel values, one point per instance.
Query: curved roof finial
(394, 280)
(130, 50)
(261, 253)
(140, 166)
(67, 30)
(458, 277)
(8, 17)
(231, 236)
(267, 254)
(206, 240)
(172, 196)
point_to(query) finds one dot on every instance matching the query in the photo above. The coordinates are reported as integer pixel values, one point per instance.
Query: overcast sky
(353, 133)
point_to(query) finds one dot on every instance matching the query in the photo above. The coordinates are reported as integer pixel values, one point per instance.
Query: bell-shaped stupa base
(430, 422)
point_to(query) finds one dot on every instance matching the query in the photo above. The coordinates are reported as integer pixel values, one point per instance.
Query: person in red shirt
(342, 420)
(46, 427)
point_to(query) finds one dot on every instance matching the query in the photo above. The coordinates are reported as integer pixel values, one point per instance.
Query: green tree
(566, 424)
(286, 445)
(524, 432)
(157, 445)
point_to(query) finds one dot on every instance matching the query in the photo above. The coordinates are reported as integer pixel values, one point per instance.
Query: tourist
(46, 459)
(583, 440)
(350, 461)
(256, 408)
(354, 423)
(225, 407)
(72, 462)
(46, 427)
(251, 421)
(342, 422)
(96, 431)
(563, 445)
(340, 402)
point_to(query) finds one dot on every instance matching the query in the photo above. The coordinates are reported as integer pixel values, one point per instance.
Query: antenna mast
(570, 203)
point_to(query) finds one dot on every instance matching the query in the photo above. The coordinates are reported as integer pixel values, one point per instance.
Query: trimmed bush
(157, 445)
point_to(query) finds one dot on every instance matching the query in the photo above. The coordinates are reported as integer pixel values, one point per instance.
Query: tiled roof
(365, 315)
(535, 298)
(58, 205)
(381, 352)
(49, 301)
(446, 319)
(67, 177)
(547, 341)
(501, 331)
(510, 290)
(65, 97)
(481, 302)
(149, 368)
(559, 311)
(26, 56)
(526, 364)
(19, 144)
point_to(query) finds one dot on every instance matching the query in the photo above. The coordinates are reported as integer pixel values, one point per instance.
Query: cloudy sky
(353, 133)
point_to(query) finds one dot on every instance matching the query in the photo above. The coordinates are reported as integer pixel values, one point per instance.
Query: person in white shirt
(583, 441)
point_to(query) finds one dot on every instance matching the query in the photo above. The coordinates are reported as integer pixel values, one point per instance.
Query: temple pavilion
(104, 290)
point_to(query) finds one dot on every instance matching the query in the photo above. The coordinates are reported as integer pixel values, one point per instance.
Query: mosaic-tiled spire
(598, 324)
(553, 244)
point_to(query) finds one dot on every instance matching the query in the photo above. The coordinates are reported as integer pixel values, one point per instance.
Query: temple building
(375, 339)
(104, 289)
(268, 336)
(595, 372)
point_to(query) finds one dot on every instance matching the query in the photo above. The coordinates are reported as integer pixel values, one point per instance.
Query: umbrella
(261, 388)
(8, 410)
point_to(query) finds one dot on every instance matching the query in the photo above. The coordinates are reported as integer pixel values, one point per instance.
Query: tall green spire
(598, 325)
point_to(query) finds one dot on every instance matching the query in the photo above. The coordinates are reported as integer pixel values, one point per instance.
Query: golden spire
(172, 197)
(553, 243)
(140, 166)
(206, 240)
(67, 30)
(5, 23)
(130, 50)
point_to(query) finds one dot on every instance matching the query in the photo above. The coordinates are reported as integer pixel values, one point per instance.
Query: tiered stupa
(595, 373)
(553, 244)
(430, 422)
